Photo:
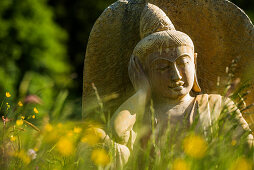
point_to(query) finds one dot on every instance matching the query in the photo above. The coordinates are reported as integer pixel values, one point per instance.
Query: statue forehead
(171, 53)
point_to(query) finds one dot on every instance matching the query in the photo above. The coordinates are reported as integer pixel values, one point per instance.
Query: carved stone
(220, 31)
(162, 67)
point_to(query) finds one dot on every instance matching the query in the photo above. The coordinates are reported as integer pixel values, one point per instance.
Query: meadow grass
(29, 141)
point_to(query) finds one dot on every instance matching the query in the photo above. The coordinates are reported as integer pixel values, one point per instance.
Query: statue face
(171, 72)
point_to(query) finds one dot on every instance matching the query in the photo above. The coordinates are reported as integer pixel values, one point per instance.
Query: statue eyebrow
(184, 55)
(162, 58)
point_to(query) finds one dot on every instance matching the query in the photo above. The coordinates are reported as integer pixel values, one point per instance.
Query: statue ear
(196, 87)
(136, 73)
(195, 59)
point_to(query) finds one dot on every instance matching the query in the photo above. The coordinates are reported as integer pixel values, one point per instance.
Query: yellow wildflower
(65, 146)
(48, 127)
(70, 134)
(20, 104)
(8, 106)
(23, 156)
(52, 136)
(13, 138)
(90, 139)
(180, 164)
(241, 164)
(93, 136)
(100, 157)
(195, 146)
(233, 142)
(59, 125)
(19, 122)
(7, 94)
(33, 116)
(22, 117)
(35, 110)
(77, 130)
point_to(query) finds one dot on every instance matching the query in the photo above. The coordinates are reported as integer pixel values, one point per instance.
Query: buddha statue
(162, 69)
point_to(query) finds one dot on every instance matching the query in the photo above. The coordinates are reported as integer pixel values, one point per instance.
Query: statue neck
(170, 103)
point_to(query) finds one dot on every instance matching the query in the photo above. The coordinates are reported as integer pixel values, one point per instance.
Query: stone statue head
(165, 57)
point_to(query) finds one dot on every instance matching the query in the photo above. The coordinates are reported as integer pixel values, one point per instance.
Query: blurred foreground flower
(19, 122)
(32, 154)
(180, 164)
(233, 142)
(35, 110)
(20, 104)
(48, 127)
(100, 157)
(195, 146)
(93, 136)
(90, 139)
(23, 156)
(12, 138)
(241, 164)
(7, 94)
(69, 134)
(65, 146)
(32, 99)
(5, 120)
(77, 130)
(52, 134)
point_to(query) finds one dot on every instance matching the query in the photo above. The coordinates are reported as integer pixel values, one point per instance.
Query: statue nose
(176, 76)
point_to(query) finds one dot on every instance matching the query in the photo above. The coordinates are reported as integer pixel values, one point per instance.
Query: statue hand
(137, 76)
(122, 125)
(122, 151)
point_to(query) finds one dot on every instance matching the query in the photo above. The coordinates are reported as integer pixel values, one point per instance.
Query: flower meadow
(30, 140)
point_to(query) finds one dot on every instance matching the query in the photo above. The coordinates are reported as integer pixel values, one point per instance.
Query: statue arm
(122, 124)
(125, 116)
(128, 113)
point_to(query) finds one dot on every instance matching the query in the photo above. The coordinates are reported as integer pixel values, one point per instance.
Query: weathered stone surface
(110, 46)
(221, 32)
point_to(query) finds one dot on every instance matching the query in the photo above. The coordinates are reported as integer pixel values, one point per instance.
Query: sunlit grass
(29, 143)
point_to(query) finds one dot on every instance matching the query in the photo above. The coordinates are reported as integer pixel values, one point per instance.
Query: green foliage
(77, 17)
(32, 49)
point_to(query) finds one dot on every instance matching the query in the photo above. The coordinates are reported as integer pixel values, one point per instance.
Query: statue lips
(177, 86)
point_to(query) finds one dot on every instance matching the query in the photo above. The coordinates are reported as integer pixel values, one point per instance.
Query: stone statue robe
(206, 110)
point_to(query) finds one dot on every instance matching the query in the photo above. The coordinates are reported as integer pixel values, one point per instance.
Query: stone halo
(221, 32)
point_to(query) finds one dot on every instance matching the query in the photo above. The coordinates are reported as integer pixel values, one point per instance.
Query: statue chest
(174, 116)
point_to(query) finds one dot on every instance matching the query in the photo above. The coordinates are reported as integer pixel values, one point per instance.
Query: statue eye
(183, 60)
(162, 68)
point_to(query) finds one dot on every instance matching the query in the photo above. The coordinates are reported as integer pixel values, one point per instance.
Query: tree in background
(77, 17)
(33, 58)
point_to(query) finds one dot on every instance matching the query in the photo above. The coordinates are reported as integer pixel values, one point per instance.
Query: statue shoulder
(215, 101)
(210, 99)
(211, 103)
(210, 96)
